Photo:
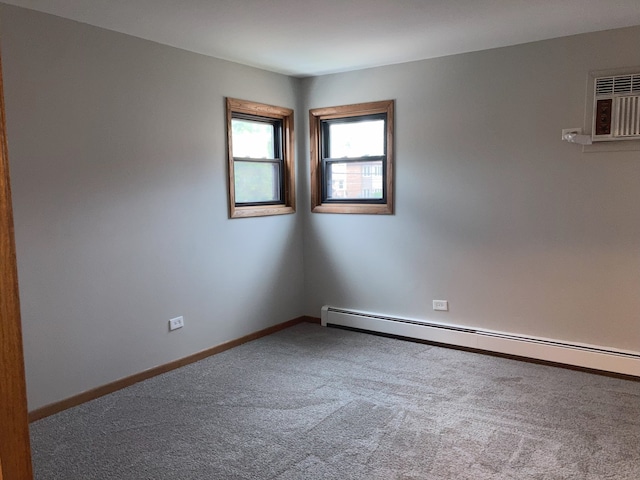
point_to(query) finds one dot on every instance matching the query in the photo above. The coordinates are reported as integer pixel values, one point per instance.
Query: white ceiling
(314, 37)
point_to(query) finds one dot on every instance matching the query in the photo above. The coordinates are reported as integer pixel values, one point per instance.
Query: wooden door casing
(15, 452)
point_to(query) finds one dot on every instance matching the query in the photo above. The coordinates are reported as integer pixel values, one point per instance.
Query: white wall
(117, 150)
(520, 231)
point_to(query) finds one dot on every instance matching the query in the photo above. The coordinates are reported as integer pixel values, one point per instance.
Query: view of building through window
(351, 180)
(359, 138)
(352, 158)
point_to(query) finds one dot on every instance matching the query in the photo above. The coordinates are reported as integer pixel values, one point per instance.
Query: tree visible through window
(260, 159)
(257, 160)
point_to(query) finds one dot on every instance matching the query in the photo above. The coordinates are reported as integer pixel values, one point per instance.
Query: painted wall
(117, 150)
(519, 231)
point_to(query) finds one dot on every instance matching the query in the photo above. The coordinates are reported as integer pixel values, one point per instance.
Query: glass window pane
(256, 181)
(356, 139)
(354, 180)
(252, 139)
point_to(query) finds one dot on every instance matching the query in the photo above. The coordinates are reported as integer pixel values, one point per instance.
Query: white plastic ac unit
(616, 108)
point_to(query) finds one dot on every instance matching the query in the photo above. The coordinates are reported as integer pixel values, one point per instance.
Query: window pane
(356, 139)
(354, 180)
(252, 139)
(256, 182)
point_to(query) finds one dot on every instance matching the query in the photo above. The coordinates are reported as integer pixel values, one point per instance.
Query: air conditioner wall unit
(616, 108)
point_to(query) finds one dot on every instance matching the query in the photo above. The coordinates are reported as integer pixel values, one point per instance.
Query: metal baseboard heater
(577, 354)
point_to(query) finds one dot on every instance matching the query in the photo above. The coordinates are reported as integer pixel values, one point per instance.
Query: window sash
(326, 137)
(278, 160)
(327, 161)
(328, 180)
(274, 122)
(278, 187)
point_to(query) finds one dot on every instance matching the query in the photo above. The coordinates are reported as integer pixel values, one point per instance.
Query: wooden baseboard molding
(97, 392)
(309, 319)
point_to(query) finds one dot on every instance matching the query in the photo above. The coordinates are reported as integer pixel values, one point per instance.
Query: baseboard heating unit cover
(577, 354)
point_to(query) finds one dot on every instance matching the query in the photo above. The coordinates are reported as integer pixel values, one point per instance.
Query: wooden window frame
(316, 117)
(285, 116)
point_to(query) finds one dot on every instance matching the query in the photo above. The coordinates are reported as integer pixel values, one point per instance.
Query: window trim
(316, 117)
(280, 114)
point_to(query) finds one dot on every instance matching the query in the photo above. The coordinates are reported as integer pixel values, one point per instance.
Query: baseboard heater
(577, 354)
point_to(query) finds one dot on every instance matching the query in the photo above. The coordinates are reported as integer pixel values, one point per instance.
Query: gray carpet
(321, 403)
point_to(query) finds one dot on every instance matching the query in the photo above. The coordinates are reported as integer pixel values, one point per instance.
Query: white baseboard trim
(577, 354)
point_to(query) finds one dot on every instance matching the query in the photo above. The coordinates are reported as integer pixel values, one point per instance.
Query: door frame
(15, 451)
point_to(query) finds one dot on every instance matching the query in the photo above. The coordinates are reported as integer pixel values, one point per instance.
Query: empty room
(365, 239)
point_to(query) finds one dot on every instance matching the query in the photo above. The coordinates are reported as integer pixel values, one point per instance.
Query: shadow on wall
(267, 282)
(348, 263)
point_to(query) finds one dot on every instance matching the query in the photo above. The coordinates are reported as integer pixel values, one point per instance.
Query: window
(354, 145)
(261, 176)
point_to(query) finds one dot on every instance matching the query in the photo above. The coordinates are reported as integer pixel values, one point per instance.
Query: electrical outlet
(176, 323)
(441, 305)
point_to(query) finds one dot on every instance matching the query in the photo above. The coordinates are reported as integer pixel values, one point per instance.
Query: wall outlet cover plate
(441, 305)
(176, 323)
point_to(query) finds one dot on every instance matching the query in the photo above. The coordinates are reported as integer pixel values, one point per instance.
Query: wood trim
(316, 115)
(355, 109)
(316, 167)
(309, 319)
(255, 108)
(14, 430)
(363, 208)
(260, 211)
(92, 394)
(235, 105)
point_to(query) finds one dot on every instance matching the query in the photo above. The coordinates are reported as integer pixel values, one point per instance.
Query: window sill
(260, 211)
(362, 208)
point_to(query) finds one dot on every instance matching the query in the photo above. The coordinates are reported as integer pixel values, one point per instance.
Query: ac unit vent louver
(618, 84)
(617, 108)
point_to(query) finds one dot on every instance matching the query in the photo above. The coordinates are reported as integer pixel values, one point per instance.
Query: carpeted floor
(321, 403)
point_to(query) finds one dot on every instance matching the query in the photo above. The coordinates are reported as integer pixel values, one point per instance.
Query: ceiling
(315, 37)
